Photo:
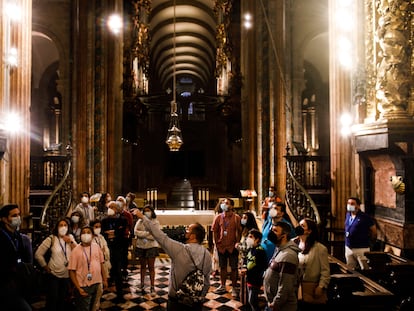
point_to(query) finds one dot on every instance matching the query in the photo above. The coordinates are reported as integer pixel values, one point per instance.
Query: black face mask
(299, 230)
(272, 237)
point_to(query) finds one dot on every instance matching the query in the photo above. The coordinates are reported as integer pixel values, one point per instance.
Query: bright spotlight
(12, 123)
(115, 23)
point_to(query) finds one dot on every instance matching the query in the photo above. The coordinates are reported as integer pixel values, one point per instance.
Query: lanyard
(63, 248)
(225, 221)
(88, 260)
(98, 241)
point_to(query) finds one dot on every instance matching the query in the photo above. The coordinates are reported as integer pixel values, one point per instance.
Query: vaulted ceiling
(183, 41)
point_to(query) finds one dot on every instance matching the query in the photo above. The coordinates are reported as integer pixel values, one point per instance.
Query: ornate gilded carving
(393, 83)
(222, 11)
(371, 111)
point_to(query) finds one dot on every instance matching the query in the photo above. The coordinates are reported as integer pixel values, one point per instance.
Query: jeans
(87, 303)
(253, 297)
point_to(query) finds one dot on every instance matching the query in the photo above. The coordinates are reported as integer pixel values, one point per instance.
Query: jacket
(145, 240)
(281, 277)
(181, 264)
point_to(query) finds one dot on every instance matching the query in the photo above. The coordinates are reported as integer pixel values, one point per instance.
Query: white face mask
(350, 208)
(249, 242)
(97, 231)
(273, 212)
(63, 230)
(86, 238)
(148, 214)
(271, 193)
(224, 207)
(16, 222)
(75, 219)
(111, 212)
(85, 200)
(243, 222)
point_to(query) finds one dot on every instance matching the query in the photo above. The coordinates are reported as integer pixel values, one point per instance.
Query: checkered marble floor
(135, 300)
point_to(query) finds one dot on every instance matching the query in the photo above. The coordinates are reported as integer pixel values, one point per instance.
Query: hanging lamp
(174, 138)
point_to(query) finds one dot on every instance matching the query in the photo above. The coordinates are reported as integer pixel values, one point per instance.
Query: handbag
(307, 293)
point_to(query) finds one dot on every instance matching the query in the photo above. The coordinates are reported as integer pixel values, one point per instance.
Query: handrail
(303, 190)
(58, 188)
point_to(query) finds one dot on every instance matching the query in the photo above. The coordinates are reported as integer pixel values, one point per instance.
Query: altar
(184, 217)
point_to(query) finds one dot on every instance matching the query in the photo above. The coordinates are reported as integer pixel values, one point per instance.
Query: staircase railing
(60, 200)
(298, 199)
(306, 176)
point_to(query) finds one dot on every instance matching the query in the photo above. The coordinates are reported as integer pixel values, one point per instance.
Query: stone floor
(135, 300)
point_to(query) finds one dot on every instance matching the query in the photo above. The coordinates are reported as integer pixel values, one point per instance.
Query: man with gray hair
(113, 230)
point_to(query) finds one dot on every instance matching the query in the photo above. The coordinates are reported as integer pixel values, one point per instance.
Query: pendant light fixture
(174, 138)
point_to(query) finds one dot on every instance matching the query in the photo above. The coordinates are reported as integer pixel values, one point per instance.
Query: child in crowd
(256, 265)
(86, 270)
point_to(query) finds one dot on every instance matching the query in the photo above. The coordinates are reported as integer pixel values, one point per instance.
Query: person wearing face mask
(281, 277)
(75, 225)
(226, 230)
(85, 209)
(277, 212)
(99, 239)
(256, 264)
(113, 230)
(86, 270)
(360, 230)
(313, 267)
(131, 205)
(147, 247)
(248, 222)
(125, 213)
(183, 258)
(60, 243)
(271, 198)
(16, 253)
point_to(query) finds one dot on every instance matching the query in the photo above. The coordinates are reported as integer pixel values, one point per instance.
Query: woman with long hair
(248, 222)
(147, 248)
(314, 267)
(60, 244)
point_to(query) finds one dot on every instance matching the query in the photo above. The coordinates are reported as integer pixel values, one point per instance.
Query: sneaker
(152, 292)
(220, 290)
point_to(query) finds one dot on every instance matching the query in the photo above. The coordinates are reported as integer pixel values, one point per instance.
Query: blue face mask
(224, 207)
(271, 193)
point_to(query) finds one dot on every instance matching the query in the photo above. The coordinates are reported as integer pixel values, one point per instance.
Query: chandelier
(174, 139)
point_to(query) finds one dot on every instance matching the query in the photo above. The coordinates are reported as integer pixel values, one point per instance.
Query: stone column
(342, 168)
(15, 166)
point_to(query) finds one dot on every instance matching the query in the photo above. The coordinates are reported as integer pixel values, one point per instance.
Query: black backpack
(190, 290)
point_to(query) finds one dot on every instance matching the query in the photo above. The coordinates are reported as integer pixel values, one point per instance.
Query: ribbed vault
(194, 36)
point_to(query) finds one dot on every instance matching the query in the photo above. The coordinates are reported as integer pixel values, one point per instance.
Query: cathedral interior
(184, 102)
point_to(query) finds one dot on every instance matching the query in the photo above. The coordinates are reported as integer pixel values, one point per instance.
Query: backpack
(190, 290)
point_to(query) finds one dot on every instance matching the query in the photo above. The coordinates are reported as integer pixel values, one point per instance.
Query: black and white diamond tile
(137, 301)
